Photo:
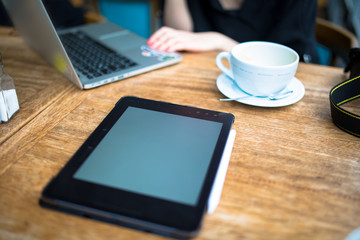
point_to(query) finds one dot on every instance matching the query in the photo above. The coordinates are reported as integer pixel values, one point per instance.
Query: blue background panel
(133, 15)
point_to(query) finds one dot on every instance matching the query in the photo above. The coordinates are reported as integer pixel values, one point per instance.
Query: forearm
(177, 15)
(220, 41)
(169, 39)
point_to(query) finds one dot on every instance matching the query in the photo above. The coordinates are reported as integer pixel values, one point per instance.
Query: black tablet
(149, 165)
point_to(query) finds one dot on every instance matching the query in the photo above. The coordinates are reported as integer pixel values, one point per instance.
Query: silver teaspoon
(271, 97)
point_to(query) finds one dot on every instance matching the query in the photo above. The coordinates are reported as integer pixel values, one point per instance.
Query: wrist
(223, 42)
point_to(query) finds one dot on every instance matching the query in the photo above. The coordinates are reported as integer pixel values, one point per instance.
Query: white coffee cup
(260, 68)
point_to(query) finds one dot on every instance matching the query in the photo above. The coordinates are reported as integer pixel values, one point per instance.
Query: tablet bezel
(65, 192)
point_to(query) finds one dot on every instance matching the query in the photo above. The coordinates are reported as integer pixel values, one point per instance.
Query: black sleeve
(289, 22)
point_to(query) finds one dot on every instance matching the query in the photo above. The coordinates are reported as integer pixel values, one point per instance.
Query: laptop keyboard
(92, 58)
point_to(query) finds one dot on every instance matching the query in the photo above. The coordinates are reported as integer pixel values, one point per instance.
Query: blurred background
(338, 23)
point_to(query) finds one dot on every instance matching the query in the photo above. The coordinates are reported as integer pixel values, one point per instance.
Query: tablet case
(217, 187)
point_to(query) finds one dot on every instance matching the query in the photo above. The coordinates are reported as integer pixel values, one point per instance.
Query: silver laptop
(88, 55)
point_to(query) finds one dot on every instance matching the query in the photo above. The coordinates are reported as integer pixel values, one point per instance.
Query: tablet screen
(154, 153)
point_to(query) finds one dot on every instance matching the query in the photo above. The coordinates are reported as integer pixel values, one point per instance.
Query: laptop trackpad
(122, 40)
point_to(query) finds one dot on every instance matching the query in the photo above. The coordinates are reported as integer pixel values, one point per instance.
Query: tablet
(149, 165)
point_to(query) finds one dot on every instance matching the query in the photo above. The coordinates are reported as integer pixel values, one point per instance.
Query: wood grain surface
(292, 173)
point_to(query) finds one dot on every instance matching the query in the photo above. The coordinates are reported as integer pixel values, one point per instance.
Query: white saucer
(231, 90)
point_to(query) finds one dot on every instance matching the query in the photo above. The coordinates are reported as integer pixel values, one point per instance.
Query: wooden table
(292, 174)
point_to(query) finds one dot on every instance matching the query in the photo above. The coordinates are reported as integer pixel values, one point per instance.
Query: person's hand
(171, 40)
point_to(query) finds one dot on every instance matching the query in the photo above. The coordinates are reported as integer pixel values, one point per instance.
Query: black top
(288, 22)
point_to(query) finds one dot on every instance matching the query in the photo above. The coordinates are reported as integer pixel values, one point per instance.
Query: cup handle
(221, 66)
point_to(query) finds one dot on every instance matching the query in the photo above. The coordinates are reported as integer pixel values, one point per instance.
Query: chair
(336, 39)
